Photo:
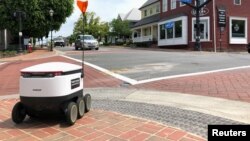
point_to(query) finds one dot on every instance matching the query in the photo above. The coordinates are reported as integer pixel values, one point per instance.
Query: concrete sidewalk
(229, 109)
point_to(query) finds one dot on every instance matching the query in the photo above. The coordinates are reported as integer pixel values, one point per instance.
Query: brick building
(177, 25)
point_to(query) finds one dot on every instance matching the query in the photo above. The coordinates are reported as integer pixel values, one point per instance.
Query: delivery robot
(52, 88)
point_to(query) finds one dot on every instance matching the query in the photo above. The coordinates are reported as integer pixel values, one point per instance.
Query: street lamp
(197, 9)
(51, 13)
(20, 15)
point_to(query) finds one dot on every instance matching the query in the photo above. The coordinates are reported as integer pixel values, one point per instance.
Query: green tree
(120, 28)
(38, 21)
(92, 26)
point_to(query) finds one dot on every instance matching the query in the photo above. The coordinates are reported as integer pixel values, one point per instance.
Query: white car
(86, 41)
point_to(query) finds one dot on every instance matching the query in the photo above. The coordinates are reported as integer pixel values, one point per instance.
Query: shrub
(7, 53)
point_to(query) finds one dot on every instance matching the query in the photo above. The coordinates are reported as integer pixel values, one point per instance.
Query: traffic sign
(82, 5)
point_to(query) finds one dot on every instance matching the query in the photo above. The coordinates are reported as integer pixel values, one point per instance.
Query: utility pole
(197, 9)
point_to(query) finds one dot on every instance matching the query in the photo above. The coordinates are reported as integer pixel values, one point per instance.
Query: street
(145, 64)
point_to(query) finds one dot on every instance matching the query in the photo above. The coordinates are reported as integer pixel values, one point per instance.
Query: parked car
(86, 42)
(59, 42)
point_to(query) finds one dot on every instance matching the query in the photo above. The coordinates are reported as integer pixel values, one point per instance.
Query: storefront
(223, 25)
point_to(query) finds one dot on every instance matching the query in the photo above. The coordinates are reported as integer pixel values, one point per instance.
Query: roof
(122, 16)
(147, 3)
(133, 15)
(148, 20)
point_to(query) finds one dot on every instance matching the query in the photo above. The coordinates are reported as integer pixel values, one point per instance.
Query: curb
(233, 110)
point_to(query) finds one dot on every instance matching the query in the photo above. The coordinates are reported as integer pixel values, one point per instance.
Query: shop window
(204, 29)
(238, 30)
(170, 33)
(178, 29)
(237, 2)
(162, 32)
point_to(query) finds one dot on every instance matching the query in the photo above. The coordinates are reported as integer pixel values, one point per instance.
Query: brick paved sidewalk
(10, 73)
(97, 125)
(232, 85)
(36, 54)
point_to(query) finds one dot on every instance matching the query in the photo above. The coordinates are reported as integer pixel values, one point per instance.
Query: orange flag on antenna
(83, 5)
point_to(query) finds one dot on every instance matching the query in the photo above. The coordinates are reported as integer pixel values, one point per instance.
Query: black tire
(248, 50)
(71, 113)
(18, 113)
(87, 99)
(81, 107)
(97, 48)
(76, 48)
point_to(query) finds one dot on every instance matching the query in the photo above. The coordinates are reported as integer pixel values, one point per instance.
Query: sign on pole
(82, 5)
(222, 17)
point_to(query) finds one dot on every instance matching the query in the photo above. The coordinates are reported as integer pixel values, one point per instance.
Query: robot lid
(52, 67)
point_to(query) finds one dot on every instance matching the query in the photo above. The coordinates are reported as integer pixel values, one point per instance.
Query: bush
(106, 44)
(7, 53)
(119, 43)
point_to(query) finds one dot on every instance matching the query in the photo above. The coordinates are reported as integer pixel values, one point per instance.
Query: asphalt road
(144, 64)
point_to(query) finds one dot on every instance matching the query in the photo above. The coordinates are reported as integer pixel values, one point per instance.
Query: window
(173, 4)
(162, 32)
(158, 9)
(145, 13)
(204, 29)
(175, 31)
(238, 30)
(237, 2)
(182, 4)
(177, 34)
(170, 33)
(178, 29)
(164, 5)
(201, 2)
(151, 11)
(145, 32)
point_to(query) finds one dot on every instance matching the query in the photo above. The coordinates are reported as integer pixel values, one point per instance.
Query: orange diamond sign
(83, 5)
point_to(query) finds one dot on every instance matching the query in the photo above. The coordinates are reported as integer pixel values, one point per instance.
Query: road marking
(135, 82)
(118, 76)
(2, 63)
(190, 74)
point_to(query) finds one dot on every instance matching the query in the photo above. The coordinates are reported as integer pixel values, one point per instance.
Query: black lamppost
(51, 13)
(20, 14)
(197, 9)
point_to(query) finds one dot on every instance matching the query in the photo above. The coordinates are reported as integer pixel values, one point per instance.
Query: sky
(105, 9)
